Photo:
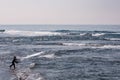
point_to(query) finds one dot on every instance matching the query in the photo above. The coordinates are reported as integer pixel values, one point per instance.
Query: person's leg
(14, 66)
(10, 65)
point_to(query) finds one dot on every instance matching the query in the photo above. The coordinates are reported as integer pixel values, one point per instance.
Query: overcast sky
(59, 11)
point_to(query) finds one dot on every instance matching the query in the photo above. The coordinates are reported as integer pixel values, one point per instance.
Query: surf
(30, 33)
(30, 56)
(25, 74)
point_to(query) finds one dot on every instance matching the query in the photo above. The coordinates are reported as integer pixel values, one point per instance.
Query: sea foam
(30, 33)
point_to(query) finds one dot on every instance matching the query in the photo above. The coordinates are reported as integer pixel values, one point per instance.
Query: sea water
(60, 52)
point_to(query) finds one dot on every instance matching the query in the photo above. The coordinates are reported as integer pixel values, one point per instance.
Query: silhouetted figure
(13, 62)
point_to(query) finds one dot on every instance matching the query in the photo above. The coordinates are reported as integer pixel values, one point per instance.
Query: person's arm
(16, 61)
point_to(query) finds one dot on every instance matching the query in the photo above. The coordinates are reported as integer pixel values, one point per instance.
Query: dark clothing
(13, 62)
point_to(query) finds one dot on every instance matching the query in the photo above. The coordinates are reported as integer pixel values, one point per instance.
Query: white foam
(32, 55)
(98, 34)
(30, 33)
(114, 39)
(108, 47)
(48, 56)
(26, 74)
(82, 34)
(32, 65)
(73, 44)
(93, 45)
(111, 46)
(34, 77)
(80, 44)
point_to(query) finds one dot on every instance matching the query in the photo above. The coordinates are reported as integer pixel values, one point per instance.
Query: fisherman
(13, 62)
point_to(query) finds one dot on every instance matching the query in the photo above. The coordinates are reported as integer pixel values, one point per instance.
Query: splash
(26, 74)
(50, 56)
(32, 55)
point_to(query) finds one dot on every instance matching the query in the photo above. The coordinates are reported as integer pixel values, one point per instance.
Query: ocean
(60, 52)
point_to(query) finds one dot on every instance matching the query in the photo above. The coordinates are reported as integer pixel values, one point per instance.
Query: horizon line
(60, 24)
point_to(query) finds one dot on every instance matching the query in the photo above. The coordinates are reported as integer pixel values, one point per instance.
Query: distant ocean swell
(61, 35)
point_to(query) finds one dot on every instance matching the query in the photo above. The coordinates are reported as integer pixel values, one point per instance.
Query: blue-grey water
(60, 52)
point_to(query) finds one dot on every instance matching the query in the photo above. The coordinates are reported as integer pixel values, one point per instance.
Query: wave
(73, 44)
(30, 33)
(82, 44)
(32, 55)
(113, 39)
(82, 34)
(85, 31)
(60, 35)
(26, 74)
(48, 43)
(64, 31)
(98, 34)
(116, 33)
(50, 56)
(88, 45)
(40, 54)
(109, 47)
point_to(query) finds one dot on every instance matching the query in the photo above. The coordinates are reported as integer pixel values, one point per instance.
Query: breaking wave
(109, 47)
(98, 34)
(39, 54)
(63, 35)
(113, 39)
(32, 55)
(49, 56)
(26, 74)
(87, 45)
(73, 44)
(30, 33)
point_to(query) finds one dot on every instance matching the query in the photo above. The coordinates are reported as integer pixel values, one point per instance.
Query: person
(13, 62)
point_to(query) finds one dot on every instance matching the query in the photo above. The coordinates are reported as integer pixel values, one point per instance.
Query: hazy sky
(59, 11)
